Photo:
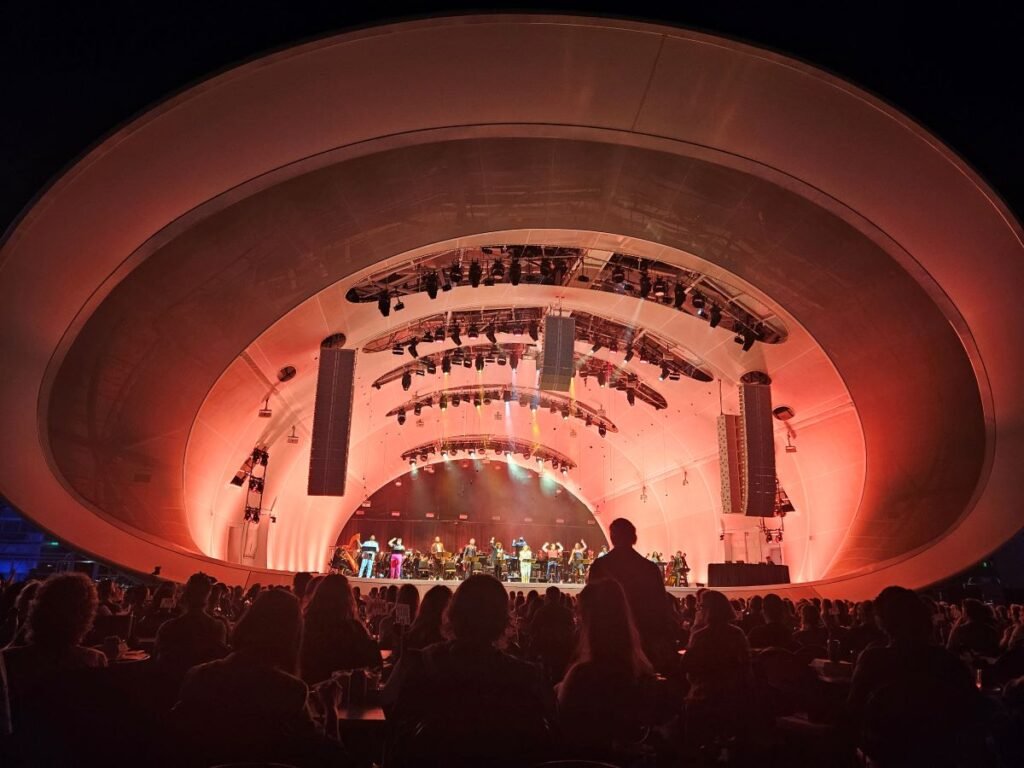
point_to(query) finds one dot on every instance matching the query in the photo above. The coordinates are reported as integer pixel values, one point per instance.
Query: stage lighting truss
(498, 445)
(253, 475)
(498, 395)
(693, 293)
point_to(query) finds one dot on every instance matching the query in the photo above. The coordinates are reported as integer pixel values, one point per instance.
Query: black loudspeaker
(758, 450)
(332, 422)
(557, 368)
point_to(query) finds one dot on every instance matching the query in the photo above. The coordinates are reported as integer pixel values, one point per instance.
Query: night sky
(73, 72)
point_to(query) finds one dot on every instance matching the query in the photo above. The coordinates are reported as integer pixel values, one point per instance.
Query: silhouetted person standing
(642, 582)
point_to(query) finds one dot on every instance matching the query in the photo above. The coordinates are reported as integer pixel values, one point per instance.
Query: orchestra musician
(680, 569)
(554, 553)
(469, 555)
(368, 552)
(437, 557)
(397, 556)
(497, 558)
(604, 551)
(525, 562)
(579, 551)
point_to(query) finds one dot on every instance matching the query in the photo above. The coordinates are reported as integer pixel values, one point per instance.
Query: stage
(365, 585)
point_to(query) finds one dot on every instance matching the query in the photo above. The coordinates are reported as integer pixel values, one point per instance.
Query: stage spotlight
(602, 380)
(412, 463)
(597, 346)
(660, 287)
(506, 396)
(508, 453)
(443, 403)
(428, 337)
(399, 306)
(540, 462)
(524, 400)
(265, 412)
(680, 296)
(417, 409)
(444, 453)
(513, 361)
(590, 420)
(545, 269)
(455, 272)
(431, 367)
(447, 284)
(384, 303)
(398, 350)
(664, 372)
(475, 273)
(714, 316)
(412, 349)
(618, 275)
(401, 416)
(534, 334)
(455, 336)
(768, 537)
(535, 404)
(565, 470)
(629, 354)
(489, 333)
(631, 396)
(498, 270)
(645, 285)
(473, 332)
(515, 272)
(746, 338)
(472, 453)
(446, 364)
(406, 381)
(431, 282)
(602, 430)
(476, 401)
(455, 401)
(698, 301)
(479, 361)
(565, 414)
(467, 362)
(778, 537)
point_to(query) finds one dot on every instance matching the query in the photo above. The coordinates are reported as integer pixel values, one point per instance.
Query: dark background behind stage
(524, 503)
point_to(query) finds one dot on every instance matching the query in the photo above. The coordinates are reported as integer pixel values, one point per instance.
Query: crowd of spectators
(203, 674)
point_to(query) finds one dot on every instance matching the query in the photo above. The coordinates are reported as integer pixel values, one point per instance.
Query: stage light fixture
(443, 403)
(508, 453)
(680, 296)
(477, 401)
(479, 361)
(602, 379)
(401, 416)
(545, 268)
(417, 409)
(618, 275)
(473, 332)
(444, 453)
(535, 404)
(714, 316)
(565, 470)
(660, 287)
(406, 381)
(455, 401)
(602, 430)
(596, 347)
(748, 340)
(399, 306)
(431, 283)
(431, 367)
(489, 333)
(565, 414)
(498, 269)
(428, 337)
(664, 372)
(631, 396)
(589, 421)
(265, 412)
(506, 396)
(472, 453)
(446, 285)
(412, 349)
(293, 438)
(768, 537)
(778, 537)
(534, 333)
(467, 362)
(456, 339)
(455, 272)
(515, 272)
(629, 354)
(384, 303)
(540, 462)
(698, 301)
(446, 364)
(645, 285)
(412, 463)
(398, 350)
(513, 361)
(475, 273)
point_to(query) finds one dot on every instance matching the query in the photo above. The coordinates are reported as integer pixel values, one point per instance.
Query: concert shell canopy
(151, 294)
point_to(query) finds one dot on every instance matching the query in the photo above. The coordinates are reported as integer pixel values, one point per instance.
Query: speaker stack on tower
(332, 422)
(758, 445)
(557, 367)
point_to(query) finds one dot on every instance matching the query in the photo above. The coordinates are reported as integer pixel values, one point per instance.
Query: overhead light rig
(479, 446)
(535, 399)
(603, 333)
(685, 290)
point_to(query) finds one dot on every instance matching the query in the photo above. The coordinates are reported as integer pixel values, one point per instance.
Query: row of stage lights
(658, 287)
(473, 453)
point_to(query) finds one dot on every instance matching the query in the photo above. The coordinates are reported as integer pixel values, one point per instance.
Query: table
(361, 714)
(746, 574)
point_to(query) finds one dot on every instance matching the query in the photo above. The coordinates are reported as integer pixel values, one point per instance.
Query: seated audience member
(466, 698)
(552, 635)
(907, 692)
(109, 595)
(249, 705)
(300, 585)
(161, 609)
(390, 627)
(812, 631)
(426, 630)
(975, 632)
(606, 696)
(774, 632)
(20, 612)
(334, 637)
(644, 586)
(195, 636)
(865, 630)
(717, 664)
(754, 616)
(46, 677)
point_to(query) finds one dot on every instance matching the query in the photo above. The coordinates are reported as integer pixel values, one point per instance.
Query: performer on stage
(437, 558)
(368, 552)
(554, 553)
(525, 562)
(579, 550)
(469, 555)
(397, 555)
(680, 569)
(497, 558)
(604, 551)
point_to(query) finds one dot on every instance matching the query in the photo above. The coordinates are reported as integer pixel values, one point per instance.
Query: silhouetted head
(300, 581)
(62, 611)
(716, 609)
(552, 594)
(410, 596)
(622, 533)
(433, 606)
(478, 611)
(774, 608)
(810, 615)
(271, 630)
(976, 611)
(903, 616)
(197, 591)
(331, 596)
(608, 633)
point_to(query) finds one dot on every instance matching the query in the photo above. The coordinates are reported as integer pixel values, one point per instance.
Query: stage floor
(365, 585)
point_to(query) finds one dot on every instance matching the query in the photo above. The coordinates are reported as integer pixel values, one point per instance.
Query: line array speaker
(332, 422)
(557, 368)
(758, 450)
